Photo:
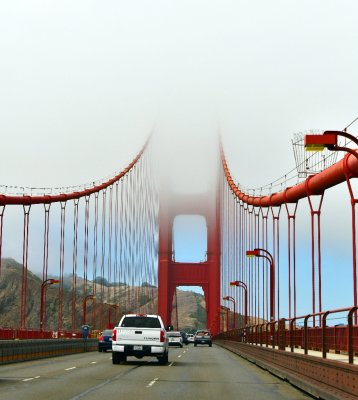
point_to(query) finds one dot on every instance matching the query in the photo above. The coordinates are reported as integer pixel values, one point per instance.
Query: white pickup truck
(140, 335)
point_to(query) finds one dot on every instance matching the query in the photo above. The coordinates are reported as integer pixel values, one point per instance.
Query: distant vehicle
(140, 335)
(190, 338)
(175, 338)
(184, 337)
(203, 337)
(105, 340)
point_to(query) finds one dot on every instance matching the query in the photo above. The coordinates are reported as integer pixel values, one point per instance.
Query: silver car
(175, 338)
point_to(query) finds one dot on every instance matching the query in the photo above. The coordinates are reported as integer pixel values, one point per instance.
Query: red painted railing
(287, 334)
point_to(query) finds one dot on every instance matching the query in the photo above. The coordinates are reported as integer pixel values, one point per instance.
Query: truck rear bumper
(132, 350)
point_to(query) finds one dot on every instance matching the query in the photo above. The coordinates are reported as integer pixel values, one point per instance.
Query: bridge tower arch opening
(190, 298)
(206, 272)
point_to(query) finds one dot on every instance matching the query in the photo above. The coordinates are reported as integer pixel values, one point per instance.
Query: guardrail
(22, 350)
(14, 333)
(287, 334)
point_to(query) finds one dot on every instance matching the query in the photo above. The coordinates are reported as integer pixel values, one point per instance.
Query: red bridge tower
(205, 274)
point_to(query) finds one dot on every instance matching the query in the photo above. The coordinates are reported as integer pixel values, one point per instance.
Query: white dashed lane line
(170, 364)
(150, 384)
(30, 379)
(69, 369)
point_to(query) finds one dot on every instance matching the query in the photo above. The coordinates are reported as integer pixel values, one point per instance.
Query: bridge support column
(172, 274)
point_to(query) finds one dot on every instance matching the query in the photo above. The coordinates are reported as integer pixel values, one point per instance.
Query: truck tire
(164, 359)
(116, 357)
(122, 357)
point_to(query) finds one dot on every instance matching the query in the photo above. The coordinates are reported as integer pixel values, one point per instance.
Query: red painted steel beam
(63, 197)
(313, 185)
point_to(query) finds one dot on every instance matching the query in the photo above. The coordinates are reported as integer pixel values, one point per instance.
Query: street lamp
(44, 285)
(88, 297)
(227, 316)
(329, 140)
(242, 285)
(268, 256)
(230, 298)
(110, 305)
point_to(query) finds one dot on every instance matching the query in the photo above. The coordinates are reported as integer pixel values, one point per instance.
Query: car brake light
(114, 335)
(101, 338)
(162, 336)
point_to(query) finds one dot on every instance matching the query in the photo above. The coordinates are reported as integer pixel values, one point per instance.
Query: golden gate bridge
(121, 231)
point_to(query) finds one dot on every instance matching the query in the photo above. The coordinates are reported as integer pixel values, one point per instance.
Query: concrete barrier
(22, 350)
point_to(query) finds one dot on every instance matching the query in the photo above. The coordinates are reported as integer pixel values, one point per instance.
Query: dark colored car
(105, 340)
(203, 337)
(184, 337)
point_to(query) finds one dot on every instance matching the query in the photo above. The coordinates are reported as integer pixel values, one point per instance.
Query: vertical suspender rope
(85, 253)
(74, 262)
(251, 233)
(227, 232)
(123, 243)
(264, 244)
(316, 248)
(25, 254)
(95, 258)
(221, 200)
(45, 259)
(103, 254)
(354, 201)
(235, 246)
(2, 210)
(243, 244)
(256, 268)
(291, 242)
(110, 299)
(116, 255)
(247, 261)
(275, 211)
(62, 266)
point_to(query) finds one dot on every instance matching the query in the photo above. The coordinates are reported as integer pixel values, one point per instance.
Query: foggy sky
(84, 82)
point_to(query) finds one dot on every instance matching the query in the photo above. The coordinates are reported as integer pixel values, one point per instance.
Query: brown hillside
(191, 306)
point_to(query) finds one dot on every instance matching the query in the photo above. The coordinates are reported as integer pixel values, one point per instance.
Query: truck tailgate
(138, 335)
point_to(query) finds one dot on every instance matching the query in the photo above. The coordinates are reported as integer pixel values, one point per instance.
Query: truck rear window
(141, 322)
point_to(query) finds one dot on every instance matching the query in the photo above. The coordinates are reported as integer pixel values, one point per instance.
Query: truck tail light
(114, 335)
(162, 335)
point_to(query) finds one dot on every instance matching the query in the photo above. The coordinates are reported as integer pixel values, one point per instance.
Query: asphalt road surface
(192, 373)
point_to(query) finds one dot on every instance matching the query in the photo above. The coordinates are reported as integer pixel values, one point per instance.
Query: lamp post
(267, 255)
(88, 297)
(230, 298)
(227, 316)
(244, 286)
(329, 140)
(110, 305)
(44, 285)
